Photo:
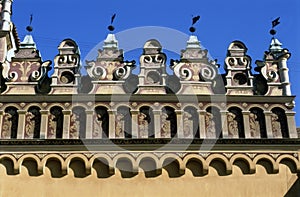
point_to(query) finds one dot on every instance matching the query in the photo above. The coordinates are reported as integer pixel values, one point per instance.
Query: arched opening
(196, 167)
(31, 166)
(9, 165)
(33, 123)
(279, 123)
(125, 167)
(78, 167)
(268, 166)
(257, 123)
(55, 168)
(149, 167)
(235, 122)
(78, 123)
(219, 166)
(102, 168)
(191, 123)
(213, 123)
(55, 123)
(243, 165)
(146, 122)
(101, 123)
(168, 123)
(123, 123)
(172, 167)
(10, 123)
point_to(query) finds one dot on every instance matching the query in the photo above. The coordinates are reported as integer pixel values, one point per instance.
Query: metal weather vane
(194, 21)
(29, 28)
(111, 27)
(275, 23)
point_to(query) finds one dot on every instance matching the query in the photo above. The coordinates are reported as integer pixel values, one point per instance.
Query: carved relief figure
(74, 126)
(6, 126)
(143, 125)
(165, 126)
(210, 125)
(52, 124)
(254, 126)
(97, 131)
(187, 125)
(29, 125)
(120, 125)
(233, 129)
(276, 127)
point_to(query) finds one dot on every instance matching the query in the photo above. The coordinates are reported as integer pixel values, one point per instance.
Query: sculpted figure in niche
(165, 126)
(120, 125)
(6, 126)
(276, 127)
(187, 125)
(233, 129)
(210, 125)
(74, 126)
(29, 125)
(254, 126)
(97, 131)
(143, 125)
(52, 124)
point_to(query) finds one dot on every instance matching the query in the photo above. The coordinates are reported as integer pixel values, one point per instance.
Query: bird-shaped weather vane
(274, 24)
(111, 27)
(29, 28)
(194, 21)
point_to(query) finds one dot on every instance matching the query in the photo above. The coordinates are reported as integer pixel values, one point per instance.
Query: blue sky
(222, 21)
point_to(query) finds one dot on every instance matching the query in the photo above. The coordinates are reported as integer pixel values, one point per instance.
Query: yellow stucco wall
(236, 184)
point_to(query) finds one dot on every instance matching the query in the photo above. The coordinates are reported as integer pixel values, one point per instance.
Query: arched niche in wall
(101, 123)
(55, 123)
(123, 122)
(257, 123)
(235, 123)
(78, 123)
(213, 123)
(33, 123)
(279, 123)
(146, 122)
(191, 123)
(10, 123)
(168, 122)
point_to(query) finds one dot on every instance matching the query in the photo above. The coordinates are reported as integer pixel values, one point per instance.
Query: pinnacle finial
(111, 27)
(194, 21)
(29, 28)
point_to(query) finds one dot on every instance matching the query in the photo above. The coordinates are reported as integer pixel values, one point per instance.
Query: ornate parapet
(66, 76)
(195, 71)
(26, 72)
(109, 72)
(239, 80)
(152, 76)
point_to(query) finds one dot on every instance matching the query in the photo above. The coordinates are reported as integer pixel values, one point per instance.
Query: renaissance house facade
(112, 132)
